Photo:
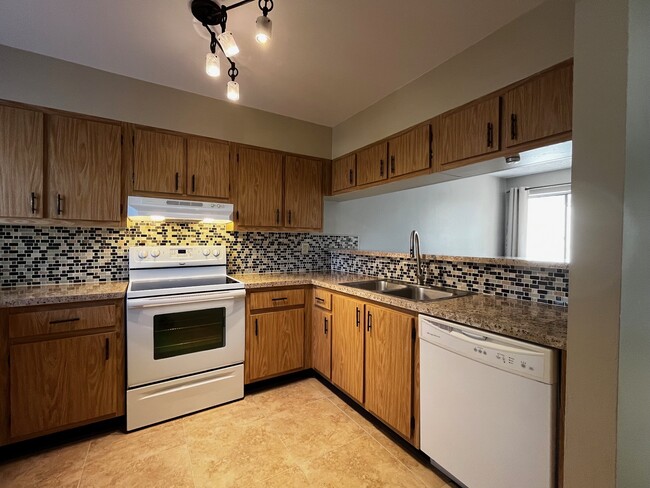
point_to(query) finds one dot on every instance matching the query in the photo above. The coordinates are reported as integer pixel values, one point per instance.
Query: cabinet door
(347, 345)
(21, 162)
(84, 166)
(469, 132)
(410, 152)
(539, 108)
(208, 168)
(158, 162)
(259, 188)
(389, 366)
(372, 164)
(344, 173)
(303, 196)
(62, 382)
(276, 342)
(321, 341)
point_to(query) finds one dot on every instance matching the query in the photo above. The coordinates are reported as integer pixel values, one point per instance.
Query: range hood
(159, 209)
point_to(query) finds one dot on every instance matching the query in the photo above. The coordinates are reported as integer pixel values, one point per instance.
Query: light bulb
(233, 91)
(263, 29)
(212, 65)
(228, 44)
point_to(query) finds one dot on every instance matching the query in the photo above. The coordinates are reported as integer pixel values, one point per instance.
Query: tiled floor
(297, 435)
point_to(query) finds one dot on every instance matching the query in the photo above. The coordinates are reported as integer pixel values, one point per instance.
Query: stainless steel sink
(408, 291)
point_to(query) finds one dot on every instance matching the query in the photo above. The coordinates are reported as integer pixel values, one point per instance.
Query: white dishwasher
(487, 406)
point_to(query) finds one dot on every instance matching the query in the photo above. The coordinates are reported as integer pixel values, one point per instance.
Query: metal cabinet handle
(490, 135)
(325, 321)
(32, 202)
(513, 126)
(176, 180)
(193, 184)
(289, 217)
(369, 321)
(351, 176)
(319, 300)
(237, 215)
(107, 348)
(358, 317)
(277, 216)
(392, 164)
(278, 299)
(381, 167)
(64, 321)
(257, 330)
(59, 207)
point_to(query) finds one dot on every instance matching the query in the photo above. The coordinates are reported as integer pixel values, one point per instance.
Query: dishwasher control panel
(521, 358)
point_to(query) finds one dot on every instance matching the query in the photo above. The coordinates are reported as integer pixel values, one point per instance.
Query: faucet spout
(415, 253)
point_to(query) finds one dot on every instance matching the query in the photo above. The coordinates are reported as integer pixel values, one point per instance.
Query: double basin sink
(408, 291)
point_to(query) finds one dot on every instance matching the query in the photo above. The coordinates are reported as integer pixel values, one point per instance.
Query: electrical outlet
(304, 248)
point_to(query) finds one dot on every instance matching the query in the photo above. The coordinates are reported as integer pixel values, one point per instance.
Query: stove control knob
(206, 252)
(216, 252)
(155, 253)
(142, 254)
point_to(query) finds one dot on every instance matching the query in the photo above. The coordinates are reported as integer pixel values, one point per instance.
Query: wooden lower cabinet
(321, 341)
(348, 345)
(389, 367)
(275, 343)
(65, 367)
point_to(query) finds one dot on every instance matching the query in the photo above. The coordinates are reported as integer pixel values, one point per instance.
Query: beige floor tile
(235, 414)
(364, 423)
(165, 469)
(237, 456)
(313, 429)
(292, 478)
(361, 463)
(288, 396)
(59, 467)
(317, 385)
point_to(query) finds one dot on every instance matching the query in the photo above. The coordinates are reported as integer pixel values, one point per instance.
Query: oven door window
(180, 333)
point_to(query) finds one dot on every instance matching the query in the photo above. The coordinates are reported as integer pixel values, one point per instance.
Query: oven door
(177, 335)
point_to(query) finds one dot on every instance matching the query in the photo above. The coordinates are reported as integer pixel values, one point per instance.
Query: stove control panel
(176, 256)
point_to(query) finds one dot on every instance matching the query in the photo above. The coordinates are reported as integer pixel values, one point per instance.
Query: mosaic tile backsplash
(538, 284)
(48, 255)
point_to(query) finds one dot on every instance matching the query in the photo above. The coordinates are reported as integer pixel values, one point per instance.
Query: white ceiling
(328, 59)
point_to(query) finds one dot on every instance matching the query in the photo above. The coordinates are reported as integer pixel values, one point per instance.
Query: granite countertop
(534, 322)
(504, 261)
(25, 296)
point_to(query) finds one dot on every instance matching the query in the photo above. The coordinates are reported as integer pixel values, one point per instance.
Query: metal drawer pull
(59, 209)
(64, 321)
(490, 135)
(319, 299)
(325, 325)
(278, 299)
(358, 317)
(369, 321)
(32, 202)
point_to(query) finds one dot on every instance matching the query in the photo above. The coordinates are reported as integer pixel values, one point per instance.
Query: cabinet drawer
(62, 320)
(323, 299)
(276, 298)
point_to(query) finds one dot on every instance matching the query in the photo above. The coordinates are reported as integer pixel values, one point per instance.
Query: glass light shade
(233, 91)
(228, 44)
(212, 65)
(263, 29)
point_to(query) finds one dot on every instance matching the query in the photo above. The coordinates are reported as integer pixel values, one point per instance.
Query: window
(548, 236)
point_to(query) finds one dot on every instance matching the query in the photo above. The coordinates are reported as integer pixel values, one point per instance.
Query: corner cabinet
(303, 194)
(275, 333)
(21, 162)
(65, 368)
(84, 160)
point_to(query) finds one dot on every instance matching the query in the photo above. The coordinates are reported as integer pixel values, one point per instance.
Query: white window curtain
(516, 219)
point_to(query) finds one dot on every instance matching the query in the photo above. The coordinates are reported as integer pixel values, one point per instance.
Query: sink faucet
(415, 253)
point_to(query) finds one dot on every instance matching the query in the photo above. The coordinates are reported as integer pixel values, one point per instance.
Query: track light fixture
(211, 15)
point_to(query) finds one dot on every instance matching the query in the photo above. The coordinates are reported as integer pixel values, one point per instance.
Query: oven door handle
(181, 300)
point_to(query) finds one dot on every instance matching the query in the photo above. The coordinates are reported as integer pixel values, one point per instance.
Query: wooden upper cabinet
(539, 108)
(321, 341)
(21, 162)
(259, 188)
(410, 152)
(372, 164)
(303, 193)
(158, 162)
(84, 168)
(344, 173)
(276, 343)
(389, 366)
(347, 345)
(62, 382)
(468, 132)
(208, 168)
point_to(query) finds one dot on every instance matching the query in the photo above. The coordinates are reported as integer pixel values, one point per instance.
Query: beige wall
(40, 80)
(541, 38)
(598, 174)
